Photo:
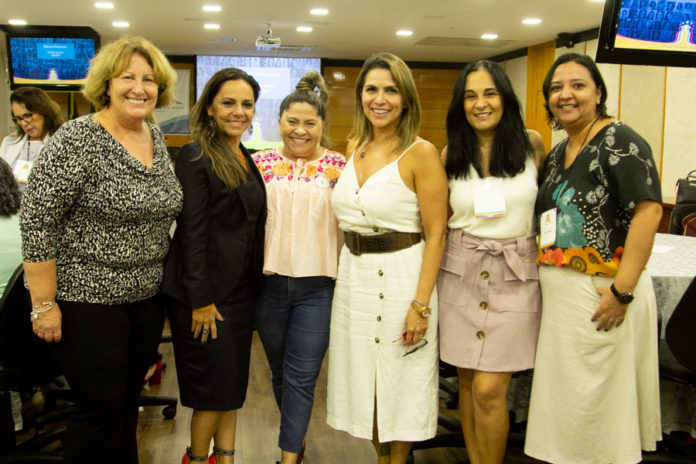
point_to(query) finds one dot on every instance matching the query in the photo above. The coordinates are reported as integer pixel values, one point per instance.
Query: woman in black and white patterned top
(95, 223)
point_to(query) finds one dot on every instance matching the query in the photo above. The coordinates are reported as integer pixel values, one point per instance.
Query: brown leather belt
(382, 243)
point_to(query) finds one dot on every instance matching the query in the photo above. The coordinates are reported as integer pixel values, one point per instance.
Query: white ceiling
(352, 29)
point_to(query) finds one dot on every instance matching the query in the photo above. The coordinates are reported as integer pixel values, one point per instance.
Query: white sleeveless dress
(367, 369)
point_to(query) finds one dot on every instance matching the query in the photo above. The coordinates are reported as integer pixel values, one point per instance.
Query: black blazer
(218, 230)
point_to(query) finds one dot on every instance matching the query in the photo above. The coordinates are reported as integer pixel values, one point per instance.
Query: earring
(251, 128)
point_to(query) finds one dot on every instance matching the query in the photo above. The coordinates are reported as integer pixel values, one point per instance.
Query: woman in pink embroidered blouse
(300, 257)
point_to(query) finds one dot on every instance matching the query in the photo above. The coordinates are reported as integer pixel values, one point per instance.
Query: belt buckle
(353, 242)
(356, 244)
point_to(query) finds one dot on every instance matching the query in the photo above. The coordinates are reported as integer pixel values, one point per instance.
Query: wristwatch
(624, 298)
(420, 308)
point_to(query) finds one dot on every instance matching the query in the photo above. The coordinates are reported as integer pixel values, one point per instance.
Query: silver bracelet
(45, 306)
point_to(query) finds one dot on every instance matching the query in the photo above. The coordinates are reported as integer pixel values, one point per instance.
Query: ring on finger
(205, 331)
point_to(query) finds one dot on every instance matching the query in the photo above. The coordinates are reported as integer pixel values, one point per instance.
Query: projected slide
(657, 25)
(277, 78)
(50, 60)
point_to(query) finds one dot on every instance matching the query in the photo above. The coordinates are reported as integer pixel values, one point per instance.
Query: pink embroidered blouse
(302, 234)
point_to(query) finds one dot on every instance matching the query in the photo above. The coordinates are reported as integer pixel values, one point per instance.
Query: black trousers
(105, 353)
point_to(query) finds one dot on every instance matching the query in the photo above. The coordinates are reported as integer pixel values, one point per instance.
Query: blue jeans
(293, 323)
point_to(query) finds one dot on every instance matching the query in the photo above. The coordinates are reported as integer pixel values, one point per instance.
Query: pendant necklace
(584, 140)
(364, 153)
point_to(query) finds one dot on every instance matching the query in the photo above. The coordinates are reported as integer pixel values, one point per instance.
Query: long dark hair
(38, 101)
(591, 66)
(9, 192)
(511, 146)
(214, 143)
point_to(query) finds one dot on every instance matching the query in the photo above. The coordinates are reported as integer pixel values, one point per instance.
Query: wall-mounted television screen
(650, 32)
(50, 57)
(277, 78)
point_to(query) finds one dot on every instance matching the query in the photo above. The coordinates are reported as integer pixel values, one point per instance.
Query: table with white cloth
(672, 266)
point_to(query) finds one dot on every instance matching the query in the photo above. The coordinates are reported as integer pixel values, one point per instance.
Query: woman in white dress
(383, 350)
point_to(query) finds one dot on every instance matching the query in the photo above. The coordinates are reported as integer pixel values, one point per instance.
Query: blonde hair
(114, 58)
(409, 125)
(311, 89)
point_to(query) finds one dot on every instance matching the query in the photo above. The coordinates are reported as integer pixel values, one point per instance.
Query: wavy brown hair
(214, 143)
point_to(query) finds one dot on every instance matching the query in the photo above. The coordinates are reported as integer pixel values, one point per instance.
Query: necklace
(582, 144)
(362, 156)
(366, 150)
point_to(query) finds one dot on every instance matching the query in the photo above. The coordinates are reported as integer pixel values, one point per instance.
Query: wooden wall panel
(539, 60)
(434, 89)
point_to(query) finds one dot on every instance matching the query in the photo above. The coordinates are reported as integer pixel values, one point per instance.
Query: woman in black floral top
(95, 224)
(595, 395)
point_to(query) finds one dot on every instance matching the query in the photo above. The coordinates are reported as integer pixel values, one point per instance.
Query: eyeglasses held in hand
(26, 117)
(410, 349)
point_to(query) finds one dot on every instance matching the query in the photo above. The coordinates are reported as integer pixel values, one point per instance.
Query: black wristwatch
(624, 298)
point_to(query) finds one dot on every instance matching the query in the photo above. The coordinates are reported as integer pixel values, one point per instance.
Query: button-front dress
(367, 367)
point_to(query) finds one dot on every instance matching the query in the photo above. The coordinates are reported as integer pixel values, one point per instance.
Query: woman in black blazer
(213, 270)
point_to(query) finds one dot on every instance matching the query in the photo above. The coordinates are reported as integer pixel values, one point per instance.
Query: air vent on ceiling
(462, 42)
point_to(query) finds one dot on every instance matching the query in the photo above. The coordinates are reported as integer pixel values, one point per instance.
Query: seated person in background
(37, 118)
(10, 250)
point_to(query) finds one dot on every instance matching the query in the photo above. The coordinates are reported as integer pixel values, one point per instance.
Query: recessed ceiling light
(404, 32)
(120, 24)
(531, 21)
(303, 29)
(211, 26)
(17, 22)
(489, 36)
(104, 5)
(319, 11)
(212, 8)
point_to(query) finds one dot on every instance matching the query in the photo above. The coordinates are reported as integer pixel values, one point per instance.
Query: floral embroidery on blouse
(274, 166)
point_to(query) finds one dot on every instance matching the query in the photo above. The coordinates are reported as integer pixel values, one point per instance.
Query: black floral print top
(595, 197)
(103, 215)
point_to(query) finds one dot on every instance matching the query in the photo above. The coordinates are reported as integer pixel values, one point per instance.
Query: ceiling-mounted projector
(265, 43)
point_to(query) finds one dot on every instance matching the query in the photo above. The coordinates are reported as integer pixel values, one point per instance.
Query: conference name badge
(489, 198)
(547, 228)
(21, 171)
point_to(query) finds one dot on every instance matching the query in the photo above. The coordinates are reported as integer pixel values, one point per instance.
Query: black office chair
(26, 363)
(678, 364)
(169, 402)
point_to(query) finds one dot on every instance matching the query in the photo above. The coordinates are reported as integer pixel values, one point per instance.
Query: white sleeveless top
(384, 203)
(520, 194)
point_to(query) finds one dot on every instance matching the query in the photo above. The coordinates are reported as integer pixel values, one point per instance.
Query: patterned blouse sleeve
(632, 172)
(55, 182)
